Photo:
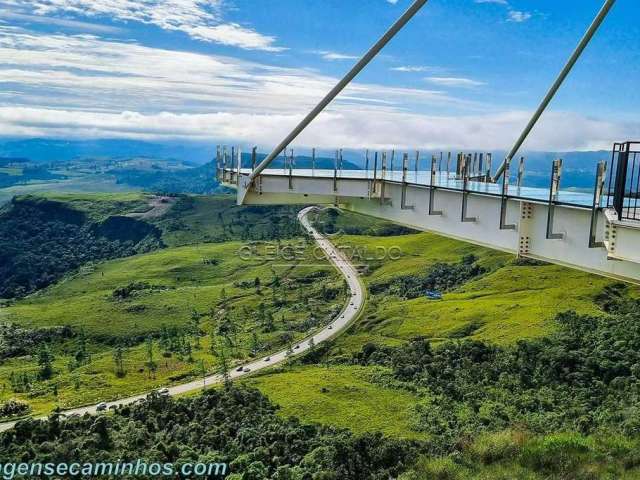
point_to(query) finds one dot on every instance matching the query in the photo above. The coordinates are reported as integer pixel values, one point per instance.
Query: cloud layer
(81, 86)
(200, 19)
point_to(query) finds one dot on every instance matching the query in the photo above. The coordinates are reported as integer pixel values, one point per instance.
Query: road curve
(342, 320)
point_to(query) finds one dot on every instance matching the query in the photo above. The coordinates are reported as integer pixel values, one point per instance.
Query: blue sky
(463, 73)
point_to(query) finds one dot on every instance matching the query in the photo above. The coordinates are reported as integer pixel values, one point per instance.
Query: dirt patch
(159, 206)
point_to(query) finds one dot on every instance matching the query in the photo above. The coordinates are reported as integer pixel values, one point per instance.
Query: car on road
(330, 327)
(101, 407)
(239, 369)
(268, 359)
(164, 392)
(297, 347)
(246, 369)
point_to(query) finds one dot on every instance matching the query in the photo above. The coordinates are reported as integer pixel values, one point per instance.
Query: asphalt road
(348, 313)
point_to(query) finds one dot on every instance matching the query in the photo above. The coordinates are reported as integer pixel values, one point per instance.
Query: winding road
(342, 320)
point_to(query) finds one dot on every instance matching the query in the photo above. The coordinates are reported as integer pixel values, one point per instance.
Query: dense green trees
(585, 377)
(441, 276)
(41, 240)
(236, 425)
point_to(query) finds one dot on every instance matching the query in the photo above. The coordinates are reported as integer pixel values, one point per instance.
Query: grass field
(98, 206)
(180, 280)
(342, 396)
(11, 171)
(86, 184)
(510, 302)
(211, 280)
(217, 218)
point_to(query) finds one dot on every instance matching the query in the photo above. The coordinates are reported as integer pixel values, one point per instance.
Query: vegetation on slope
(341, 395)
(184, 304)
(236, 426)
(496, 297)
(42, 239)
(217, 219)
(199, 180)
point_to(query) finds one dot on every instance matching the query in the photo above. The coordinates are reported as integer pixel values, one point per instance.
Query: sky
(463, 74)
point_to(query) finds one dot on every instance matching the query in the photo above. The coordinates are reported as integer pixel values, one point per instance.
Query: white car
(164, 392)
(246, 369)
(101, 407)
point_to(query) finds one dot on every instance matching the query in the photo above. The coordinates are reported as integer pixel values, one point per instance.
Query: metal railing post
(597, 205)
(218, 162)
(520, 173)
(291, 169)
(366, 163)
(239, 174)
(504, 200)
(465, 165)
(556, 174)
(489, 162)
(620, 186)
(383, 176)
(335, 173)
(432, 189)
(375, 171)
(224, 163)
(405, 169)
(254, 155)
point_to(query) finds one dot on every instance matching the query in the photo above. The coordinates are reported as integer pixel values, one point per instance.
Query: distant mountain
(51, 150)
(579, 167)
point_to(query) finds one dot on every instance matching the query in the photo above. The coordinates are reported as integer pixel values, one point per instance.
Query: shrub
(561, 453)
(13, 408)
(443, 468)
(490, 448)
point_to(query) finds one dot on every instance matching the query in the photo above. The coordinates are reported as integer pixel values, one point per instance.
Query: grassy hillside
(179, 280)
(184, 303)
(511, 300)
(123, 302)
(42, 238)
(218, 219)
(343, 396)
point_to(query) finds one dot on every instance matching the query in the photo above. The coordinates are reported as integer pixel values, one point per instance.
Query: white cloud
(518, 16)
(87, 72)
(327, 55)
(454, 82)
(392, 2)
(200, 19)
(409, 68)
(349, 129)
(60, 22)
(80, 86)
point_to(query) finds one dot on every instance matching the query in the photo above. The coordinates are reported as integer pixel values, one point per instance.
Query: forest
(233, 425)
(41, 240)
